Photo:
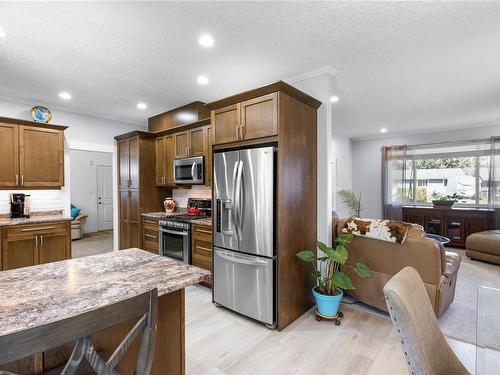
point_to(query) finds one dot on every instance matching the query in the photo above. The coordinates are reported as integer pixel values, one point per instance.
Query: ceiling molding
(328, 69)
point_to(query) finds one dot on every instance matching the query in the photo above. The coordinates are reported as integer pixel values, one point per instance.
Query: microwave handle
(193, 167)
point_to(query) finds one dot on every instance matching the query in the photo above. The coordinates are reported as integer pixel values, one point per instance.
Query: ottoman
(484, 246)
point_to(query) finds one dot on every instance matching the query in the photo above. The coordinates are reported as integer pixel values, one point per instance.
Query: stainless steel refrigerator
(244, 236)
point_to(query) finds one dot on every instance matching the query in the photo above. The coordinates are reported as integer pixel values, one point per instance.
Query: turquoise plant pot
(327, 305)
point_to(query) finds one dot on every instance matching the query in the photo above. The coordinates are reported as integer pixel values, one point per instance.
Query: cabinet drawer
(202, 232)
(150, 235)
(150, 223)
(202, 249)
(28, 229)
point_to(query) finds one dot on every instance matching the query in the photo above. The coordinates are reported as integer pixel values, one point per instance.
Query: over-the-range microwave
(189, 171)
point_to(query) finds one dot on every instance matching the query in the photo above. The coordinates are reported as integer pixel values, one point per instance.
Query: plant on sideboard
(351, 200)
(331, 281)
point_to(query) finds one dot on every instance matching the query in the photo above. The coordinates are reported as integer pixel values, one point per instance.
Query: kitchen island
(34, 296)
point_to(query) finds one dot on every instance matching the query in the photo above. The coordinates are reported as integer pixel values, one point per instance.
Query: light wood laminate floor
(221, 342)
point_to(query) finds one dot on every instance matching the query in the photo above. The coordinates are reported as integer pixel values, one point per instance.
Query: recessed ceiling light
(334, 99)
(2, 33)
(206, 41)
(202, 80)
(383, 130)
(142, 105)
(65, 95)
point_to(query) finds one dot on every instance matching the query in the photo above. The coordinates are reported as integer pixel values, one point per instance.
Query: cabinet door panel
(124, 205)
(181, 144)
(224, 124)
(19, 252)
(41, 157)
(259, 117)
(133, 206)
(52, 247)
(134, 238)
(124, 234)
(197, 144)
(208, 159)
(169, 160)
(123, 161)
(9, 155)
(160, 161)
(134, 162)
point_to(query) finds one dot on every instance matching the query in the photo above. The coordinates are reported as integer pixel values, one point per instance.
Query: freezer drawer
(245, 284)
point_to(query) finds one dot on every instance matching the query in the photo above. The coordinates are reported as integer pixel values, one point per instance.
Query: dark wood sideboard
(455, 223)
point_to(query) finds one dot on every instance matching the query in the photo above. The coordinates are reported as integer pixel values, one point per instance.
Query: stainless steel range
(175, 230)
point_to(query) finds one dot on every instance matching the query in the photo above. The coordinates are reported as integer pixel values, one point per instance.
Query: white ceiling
(403, 66)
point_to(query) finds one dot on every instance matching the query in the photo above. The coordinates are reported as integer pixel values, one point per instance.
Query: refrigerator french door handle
(239, 190)
(237, 259)
(236, 189)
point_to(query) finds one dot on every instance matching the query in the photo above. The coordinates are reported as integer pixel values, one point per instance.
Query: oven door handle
(173, 232)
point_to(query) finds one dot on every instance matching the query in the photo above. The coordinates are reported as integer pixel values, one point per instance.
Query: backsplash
(197, 191)
(41, 200)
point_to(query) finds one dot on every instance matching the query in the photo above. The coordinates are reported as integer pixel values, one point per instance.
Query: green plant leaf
(322, 259)
(351, 200)
(322, 246)
(341, 280)
(344, 238)
(317, 274)
(363, 271)
(306, 256)
(339, 255)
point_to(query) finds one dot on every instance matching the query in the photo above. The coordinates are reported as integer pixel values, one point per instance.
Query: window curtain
(394, 177)
(494, 178)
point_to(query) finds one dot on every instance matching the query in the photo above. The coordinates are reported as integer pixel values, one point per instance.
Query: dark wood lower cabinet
(150, 240)
(201, 248)
(455, 223)
(30, 244)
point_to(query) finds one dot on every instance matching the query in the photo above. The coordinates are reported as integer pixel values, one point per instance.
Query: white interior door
(104, 197)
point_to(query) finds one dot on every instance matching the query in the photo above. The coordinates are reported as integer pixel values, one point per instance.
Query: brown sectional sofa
(484, 246)
(437, 268)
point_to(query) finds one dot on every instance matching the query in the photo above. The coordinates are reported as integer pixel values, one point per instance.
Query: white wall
(84, 182)
(366, 160)
(342, 172)
(320, 86)
(83, 133)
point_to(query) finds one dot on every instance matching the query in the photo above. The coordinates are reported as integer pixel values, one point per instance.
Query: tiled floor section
(92, 244)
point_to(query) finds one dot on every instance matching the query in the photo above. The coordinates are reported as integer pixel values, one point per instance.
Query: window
(467, 171)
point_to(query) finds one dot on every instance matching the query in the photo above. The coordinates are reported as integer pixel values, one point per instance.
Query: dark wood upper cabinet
(186, 114)
(181, 144)
(259, 117)
(164, 160)
(31, 156)
(197, 141)
(208, 159)
(41, 157)
(9, 155)
(225, 124)
(124, 164)
(251, 119)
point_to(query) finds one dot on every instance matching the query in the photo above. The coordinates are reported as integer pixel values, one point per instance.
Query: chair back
(35, 340)
(425, 348)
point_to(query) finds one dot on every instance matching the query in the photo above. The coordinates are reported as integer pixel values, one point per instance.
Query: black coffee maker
(17, 205)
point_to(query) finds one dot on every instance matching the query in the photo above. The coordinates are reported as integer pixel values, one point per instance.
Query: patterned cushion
(384, 230)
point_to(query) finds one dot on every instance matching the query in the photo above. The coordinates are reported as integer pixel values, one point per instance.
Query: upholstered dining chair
(426, 350)
(35, 340)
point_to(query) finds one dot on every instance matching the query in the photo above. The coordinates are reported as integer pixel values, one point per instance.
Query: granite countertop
(34, 219)
(181, 211)
(37, 295)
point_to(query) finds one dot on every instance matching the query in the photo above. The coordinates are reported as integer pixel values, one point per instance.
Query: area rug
(459, 321)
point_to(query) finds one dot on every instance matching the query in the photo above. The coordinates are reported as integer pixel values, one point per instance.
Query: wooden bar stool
(81, 328)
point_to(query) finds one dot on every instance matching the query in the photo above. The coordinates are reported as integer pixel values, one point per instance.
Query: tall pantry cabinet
(136, 185)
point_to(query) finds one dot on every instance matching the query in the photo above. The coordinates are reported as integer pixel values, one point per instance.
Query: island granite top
(34, 219)
(37, 295)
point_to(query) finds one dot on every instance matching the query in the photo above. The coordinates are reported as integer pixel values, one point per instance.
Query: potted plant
(351, 200)
(445, 201)
(331, 281)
